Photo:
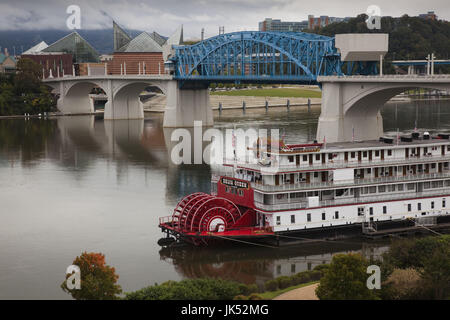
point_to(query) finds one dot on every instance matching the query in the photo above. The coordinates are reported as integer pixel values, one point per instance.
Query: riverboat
(321, 190)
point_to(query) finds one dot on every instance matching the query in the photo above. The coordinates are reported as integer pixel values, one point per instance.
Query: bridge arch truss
(254, 56)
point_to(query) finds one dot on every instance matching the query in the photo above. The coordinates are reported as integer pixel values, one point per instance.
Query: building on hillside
(430, 15)
(144, 54)
(283, 26)
(323, 21)
(7, 63)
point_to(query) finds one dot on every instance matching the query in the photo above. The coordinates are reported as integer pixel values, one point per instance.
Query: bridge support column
(109, 105)
(125, 103)
(184, 106)
(78, 101)
(337, 123)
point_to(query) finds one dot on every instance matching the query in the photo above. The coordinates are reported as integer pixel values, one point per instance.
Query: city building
(144, 54)
(322, 21)
(55, 64)
(68, 55)
(277, 25)
(312, 23)
(7, 63)
(429, 15)
(78, 47)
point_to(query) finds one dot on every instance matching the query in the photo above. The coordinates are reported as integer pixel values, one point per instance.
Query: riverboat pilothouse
(321, 190)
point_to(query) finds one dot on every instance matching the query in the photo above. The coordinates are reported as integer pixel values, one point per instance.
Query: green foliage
(345, 279)
(409, 37)
(414, 253)
(301, 277)
(271, 285)
(255, 296)
(28, 77)
(429, 256)
(320, 270)
(247, 289)
(190, 289)
(284, 282)
(24, 92)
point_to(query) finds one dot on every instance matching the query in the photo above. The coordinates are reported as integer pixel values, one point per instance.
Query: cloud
(165, 16)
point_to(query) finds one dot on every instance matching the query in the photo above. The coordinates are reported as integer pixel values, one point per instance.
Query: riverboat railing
(346, 183)
(338, 164)
(324, 203)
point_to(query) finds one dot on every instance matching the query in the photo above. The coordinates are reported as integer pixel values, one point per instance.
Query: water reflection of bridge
(257, 265)
(127, 143)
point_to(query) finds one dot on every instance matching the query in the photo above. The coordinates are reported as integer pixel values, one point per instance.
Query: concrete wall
(362, 46)
(154, 63)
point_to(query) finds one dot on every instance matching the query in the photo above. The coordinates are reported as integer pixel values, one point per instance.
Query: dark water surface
(77, 184)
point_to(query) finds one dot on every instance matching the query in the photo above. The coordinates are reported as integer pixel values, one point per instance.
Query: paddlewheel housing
(201, 212)
(202, 219)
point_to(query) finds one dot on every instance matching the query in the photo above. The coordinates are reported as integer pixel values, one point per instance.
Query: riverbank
(272, 92)
(49, 115)
(229, 102)
(306, 291)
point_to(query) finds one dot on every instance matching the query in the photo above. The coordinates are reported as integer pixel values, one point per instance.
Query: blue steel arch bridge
(263, 57)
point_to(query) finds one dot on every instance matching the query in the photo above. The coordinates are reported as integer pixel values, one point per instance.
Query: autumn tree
(98, 280)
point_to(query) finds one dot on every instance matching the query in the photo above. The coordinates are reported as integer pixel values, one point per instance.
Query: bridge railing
(139, 68)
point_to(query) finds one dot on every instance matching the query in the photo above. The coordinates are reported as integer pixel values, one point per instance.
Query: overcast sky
(165, 16)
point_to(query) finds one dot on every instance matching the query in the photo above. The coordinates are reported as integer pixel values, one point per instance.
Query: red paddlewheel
(200, 212)
(183, 208)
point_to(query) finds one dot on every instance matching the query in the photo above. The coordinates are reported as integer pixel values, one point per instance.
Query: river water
(76, 184)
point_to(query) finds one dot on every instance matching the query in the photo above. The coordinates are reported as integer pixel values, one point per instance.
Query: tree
(409, 37)
(345, 279)
(429, 256)
(402, 284)
(24, 92)
(436, 273)
(28, 77)
(98, 280)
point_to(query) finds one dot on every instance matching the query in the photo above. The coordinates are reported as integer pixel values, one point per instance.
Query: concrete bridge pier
(186, 105)
(351, 104)
(338, 124)
(124, 102)
(77, 101)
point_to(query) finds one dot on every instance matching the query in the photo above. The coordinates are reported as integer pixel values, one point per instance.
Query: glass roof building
(76, 45)
(121, 38)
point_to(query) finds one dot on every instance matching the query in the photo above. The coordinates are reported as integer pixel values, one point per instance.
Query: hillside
(101, 40)
(409, 37)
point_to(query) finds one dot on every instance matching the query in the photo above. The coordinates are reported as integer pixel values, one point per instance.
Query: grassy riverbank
(271, 92)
